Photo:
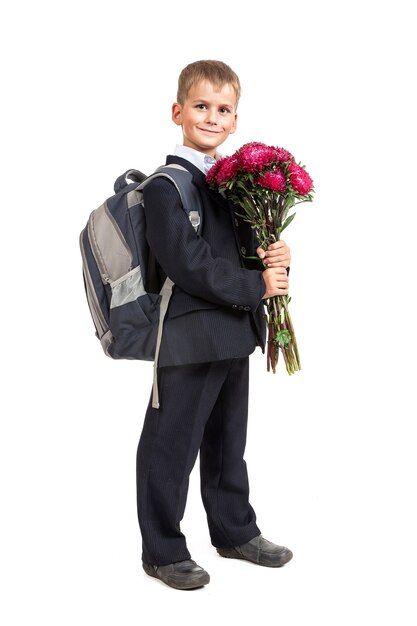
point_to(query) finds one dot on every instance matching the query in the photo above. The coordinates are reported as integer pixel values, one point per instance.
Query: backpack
(126, 300)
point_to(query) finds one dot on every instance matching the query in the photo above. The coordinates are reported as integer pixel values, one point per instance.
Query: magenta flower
(299, 179)
(254, 156)
(282, 155)
(228, 169)
(274, 180)
(213, 171)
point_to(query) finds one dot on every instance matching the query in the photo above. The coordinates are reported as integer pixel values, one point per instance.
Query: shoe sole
(204, 580)
(231, 553)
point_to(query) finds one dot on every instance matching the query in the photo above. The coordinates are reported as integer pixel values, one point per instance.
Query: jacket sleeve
(187, 258)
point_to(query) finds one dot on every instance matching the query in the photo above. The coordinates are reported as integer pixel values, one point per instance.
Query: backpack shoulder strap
(183, 181)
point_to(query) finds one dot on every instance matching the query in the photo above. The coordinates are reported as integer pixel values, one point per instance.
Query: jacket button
(243, 250)
(234, 306)
(246, 308)
(240, 307)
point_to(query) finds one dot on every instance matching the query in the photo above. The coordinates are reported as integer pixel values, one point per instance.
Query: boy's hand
(276, 255)
(276, 282)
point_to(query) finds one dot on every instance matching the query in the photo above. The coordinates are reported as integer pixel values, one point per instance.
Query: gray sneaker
(180, 575)
(259, 551)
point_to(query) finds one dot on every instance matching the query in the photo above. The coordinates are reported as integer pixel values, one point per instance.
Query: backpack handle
(134, 175)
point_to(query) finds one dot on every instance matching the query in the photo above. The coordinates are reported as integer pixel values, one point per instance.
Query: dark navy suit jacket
(216, 310)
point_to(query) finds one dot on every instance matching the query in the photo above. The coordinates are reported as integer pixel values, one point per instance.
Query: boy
(214, 322)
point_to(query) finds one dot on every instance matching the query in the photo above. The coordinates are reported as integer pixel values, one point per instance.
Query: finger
(282, 282)
(280, 253)
(274, 258)
(276, 245)
(272, 264)
(261, 252)
(277, 261)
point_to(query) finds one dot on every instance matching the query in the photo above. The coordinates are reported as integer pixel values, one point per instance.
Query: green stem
(292, 333)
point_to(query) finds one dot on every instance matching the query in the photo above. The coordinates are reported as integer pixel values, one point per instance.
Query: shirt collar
(203, 161)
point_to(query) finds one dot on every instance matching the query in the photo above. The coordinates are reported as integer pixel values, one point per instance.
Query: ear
(234, 125)
(177, 114)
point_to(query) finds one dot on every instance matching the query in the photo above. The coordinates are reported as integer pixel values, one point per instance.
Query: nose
(211, 117)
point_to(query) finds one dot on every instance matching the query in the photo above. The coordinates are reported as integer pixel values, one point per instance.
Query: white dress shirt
(203, 161)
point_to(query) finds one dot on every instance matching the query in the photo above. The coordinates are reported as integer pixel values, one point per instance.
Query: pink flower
(282, 155)
(228, 169)
(299, 179)
(255, 156)
(273, 180)
(213, 171)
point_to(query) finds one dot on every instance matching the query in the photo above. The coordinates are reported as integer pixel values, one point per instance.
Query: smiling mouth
(207, 130)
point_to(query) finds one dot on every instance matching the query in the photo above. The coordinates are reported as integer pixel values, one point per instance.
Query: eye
(201, 106)
(224, 110)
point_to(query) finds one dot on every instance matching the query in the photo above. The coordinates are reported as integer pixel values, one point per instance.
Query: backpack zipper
(96, 312)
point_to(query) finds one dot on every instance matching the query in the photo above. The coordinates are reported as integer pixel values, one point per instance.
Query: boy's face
(208, 116)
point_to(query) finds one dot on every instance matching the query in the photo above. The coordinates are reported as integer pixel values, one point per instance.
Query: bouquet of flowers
(265, 182)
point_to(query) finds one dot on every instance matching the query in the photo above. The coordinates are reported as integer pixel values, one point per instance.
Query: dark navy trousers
(204, 407)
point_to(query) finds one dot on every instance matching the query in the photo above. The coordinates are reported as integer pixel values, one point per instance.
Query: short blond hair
(216, 72)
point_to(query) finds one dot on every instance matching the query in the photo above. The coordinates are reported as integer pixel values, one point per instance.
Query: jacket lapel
(198, 176)
(199, 179)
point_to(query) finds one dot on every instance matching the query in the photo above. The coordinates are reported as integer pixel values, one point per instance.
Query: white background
(87, 91)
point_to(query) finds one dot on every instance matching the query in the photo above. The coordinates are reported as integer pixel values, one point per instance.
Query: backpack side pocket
(134, 316)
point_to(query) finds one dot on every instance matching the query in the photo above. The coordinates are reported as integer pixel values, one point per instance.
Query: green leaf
(288, 221)
(283, 338)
